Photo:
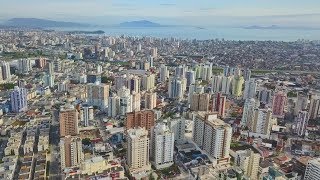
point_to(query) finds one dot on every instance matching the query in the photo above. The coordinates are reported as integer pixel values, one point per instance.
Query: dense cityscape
(81, 106)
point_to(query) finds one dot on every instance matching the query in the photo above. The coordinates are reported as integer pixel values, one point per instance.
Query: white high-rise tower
(162, 146)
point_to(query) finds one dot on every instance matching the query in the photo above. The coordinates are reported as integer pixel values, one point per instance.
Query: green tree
(292, 94)
(86, 141)
(105, 79)
(7, 86)
(151, 177)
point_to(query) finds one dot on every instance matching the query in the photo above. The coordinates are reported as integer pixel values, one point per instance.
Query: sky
(184, 12)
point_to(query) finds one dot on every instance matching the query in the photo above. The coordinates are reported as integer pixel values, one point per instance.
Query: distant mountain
(142, 23)
(41, 23)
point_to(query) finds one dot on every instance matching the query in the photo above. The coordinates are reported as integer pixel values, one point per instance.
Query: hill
(40, 23)
(142, 23)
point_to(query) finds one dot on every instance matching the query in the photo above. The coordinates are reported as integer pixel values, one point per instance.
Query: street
(54, 169)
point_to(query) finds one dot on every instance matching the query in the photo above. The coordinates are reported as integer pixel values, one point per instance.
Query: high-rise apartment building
(99, 69)
(248, 112)
(216, 84)
(262, 121)
(144, 119)
(228, 71)
(154, 52)
(1, 78)
(301, 123)
(148, 82)
(150, 60)
(40, 63)
(48, 80)
(213, 136)
(200, 102)
(120, 81)
(279, 104)
(219, 104)
(250, 89)
(50, 67)
(314, 107)
(265, 96)
(194, 102)
(68, 118)
(248, 160)
(71, 151)
(18, 98)
(164, 73)
(138, 150)
(178, 126)
(6, 74)
(237, 72)
(313, 170)
(24, 66)
(63, 86)
(125, 101)
(134, 84)
(191, 77)
(247, 74)
(198, 71)
(57, 65)
(86, 114)
(98, 94)
(114, 105)
(180, 71)
(136, 101)
(192, 90)
(301, 103)
(139, 47)
(177, 87)
(206, 72)
(82, 78)
(162, 146)
(237, 84)
(150, 100)
(226, 84)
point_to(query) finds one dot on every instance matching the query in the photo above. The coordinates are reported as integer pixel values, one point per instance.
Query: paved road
(54, 170)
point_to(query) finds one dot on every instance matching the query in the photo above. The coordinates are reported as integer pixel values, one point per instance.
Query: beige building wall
(138, 149)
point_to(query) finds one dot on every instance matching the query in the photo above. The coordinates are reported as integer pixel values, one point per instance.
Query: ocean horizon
(207, 33)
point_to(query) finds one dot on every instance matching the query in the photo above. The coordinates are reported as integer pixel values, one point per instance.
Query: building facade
(138, 150)
(97, 95)
(279, 104)
(150, 100)
(213, 136)
(68, 118)
(18, 98)
(162, 146)
(200, 102)
(314, 107)
(178, 126)
(125, 101)
(144, 119)
(250, 89)
(114, 106)
(313, 170)
(219, 104)
(71, 151)
(301, 122)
